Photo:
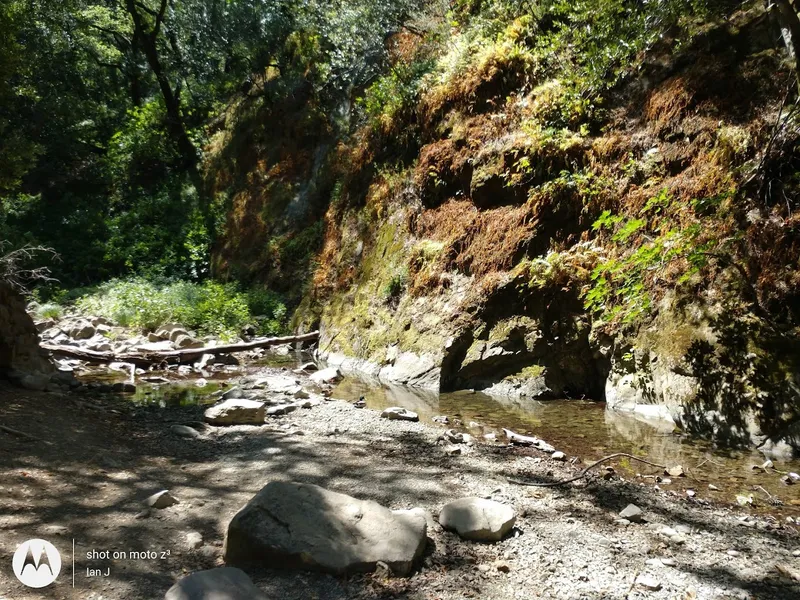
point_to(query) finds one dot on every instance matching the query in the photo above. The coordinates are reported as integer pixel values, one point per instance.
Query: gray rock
(281, 409)
(305, 526)
(648, 582)
(633, 513)
(394, 413)
(205, 360)
(236, 411)
(184, 431)
(174, 334)
(82, 330)
(194, 540)
(306, 368)
(225, 583)
(234, 392)
(329, 375)
(478, 519)
(161, 499)
(187, 342)
(558, 455)
(35, 381)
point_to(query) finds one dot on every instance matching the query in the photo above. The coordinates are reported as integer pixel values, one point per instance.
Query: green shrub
(396, 285)
(268, 311)
(49, 311)
(209, 308)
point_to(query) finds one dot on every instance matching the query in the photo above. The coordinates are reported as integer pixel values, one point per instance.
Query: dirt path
(95, 462)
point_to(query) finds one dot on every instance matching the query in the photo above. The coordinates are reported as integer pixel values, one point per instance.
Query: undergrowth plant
(210, 308)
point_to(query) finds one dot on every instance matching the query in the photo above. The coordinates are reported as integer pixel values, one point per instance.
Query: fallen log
(527, 440)
(187, 356)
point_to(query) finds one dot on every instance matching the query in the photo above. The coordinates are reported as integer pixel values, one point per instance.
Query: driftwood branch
(583, 473)
(147, 358)
(17, 433)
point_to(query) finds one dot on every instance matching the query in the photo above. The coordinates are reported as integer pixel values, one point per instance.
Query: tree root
(583, 473)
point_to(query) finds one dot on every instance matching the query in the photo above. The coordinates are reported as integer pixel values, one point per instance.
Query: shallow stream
(577, 427)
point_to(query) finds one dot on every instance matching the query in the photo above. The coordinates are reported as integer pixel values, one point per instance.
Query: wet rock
(329, 375)
(224, 583)
(306, 368)
(632, 513)
(161, 499)
(528, 440)
(306, 526)
(236, 411)
(394, 413)
(478, 519)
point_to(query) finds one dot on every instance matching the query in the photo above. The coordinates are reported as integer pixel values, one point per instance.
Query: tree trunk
(148, 40)
(789, 24)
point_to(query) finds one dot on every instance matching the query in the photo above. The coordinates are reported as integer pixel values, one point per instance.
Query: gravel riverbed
(95, 460)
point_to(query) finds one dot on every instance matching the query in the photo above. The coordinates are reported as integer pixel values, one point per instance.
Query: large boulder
(19, 342)
(226, 583)
(236, 411)
(302, 525)
(478, 519)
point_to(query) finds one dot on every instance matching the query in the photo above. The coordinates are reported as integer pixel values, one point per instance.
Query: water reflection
(587, 430)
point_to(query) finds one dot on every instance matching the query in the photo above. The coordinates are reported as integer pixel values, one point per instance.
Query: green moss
(530, 372)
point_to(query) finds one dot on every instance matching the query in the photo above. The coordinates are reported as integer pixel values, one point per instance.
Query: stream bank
(104, 455)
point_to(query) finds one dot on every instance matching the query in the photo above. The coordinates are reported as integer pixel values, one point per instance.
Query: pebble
(502, 566)
(733, 553)
(654, 562)
(648, 582)
(676, 471)
(558, 455)
(161, 499)
(712, 487)
(632, 513)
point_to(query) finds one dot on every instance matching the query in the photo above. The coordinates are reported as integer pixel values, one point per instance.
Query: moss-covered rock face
(520, 225)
